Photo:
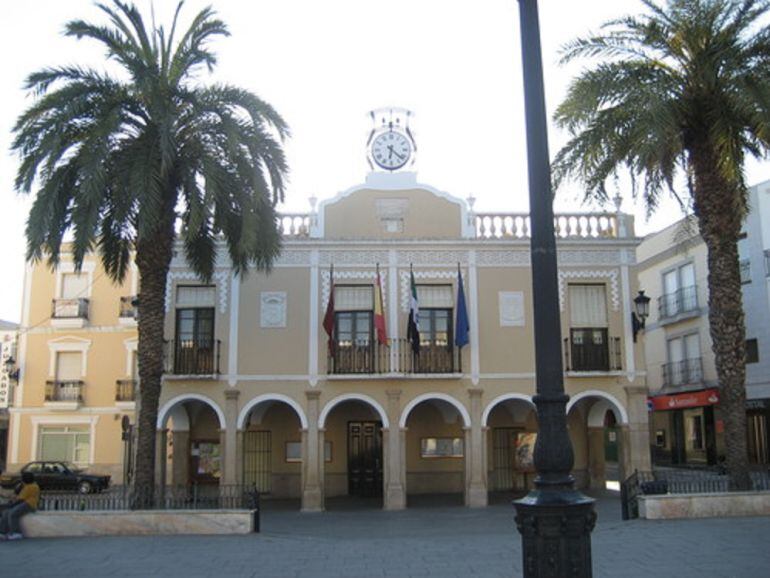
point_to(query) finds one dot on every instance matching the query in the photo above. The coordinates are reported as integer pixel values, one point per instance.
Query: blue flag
(461, 326)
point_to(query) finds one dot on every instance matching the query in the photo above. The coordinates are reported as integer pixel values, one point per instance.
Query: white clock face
(391, 150)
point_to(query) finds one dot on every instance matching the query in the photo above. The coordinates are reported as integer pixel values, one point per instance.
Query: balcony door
(354, 331)
(436, 338)
(194, 347)
(589, 339)
(684, 360)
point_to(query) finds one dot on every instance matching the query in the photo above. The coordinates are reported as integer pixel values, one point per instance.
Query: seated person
(25, 502)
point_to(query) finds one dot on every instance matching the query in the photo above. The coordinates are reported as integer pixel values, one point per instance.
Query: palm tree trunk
(720, 208)
(153, 258)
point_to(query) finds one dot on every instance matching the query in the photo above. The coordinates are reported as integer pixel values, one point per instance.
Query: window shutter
(204, 296)
(588, 306)
(69, 366)
(74, 285)
(435, 296)
(354, 298)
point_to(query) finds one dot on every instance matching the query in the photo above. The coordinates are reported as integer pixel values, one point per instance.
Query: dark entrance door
(364, 458)
(503, 451)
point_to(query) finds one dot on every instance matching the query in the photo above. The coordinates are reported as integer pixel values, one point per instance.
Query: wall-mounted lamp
(11, 369)
(640, 313)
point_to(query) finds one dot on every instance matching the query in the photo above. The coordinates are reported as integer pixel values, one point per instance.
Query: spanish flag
(379, 315)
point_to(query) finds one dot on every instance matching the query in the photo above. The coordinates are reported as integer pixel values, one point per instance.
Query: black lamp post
(640, 313)
(554, 519)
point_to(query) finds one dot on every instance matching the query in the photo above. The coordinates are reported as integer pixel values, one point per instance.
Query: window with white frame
(65, 443)
(69, 365)
(74, 285)
(679, 291)
(684, 360)
(743, 256)
(589, 340)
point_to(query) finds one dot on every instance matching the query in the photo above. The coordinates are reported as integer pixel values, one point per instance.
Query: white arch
(617, 406)
(501, 398)
(271, 397)
(442, 396)
(163, 413)
(352, 397)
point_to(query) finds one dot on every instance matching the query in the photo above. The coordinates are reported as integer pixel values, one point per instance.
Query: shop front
(757, 421)
(686, 428)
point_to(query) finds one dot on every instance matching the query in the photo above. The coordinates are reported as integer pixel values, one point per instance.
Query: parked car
(58, 476)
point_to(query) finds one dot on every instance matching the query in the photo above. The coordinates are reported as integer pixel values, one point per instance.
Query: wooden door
(364, 458)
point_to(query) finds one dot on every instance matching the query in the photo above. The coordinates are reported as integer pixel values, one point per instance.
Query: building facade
(686, 423)
(257, 392)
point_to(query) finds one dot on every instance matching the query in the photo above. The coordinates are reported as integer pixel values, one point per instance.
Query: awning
(684, 400)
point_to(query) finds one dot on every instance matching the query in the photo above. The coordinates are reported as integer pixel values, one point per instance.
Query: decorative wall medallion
(611, 275)
(272, 309)
(511, 305)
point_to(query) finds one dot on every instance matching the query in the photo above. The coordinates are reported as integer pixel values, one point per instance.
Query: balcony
(193, 357)
(593, 350)
(394, 359)
(685, 372)
(125, 392)
(69, 312)
(127, 314)
(675, 305)
(64, 394)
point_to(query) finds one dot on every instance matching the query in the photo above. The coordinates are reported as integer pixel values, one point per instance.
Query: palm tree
(129, 163)
(681, 91)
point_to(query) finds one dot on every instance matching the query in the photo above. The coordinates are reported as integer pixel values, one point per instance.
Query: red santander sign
(685, 400)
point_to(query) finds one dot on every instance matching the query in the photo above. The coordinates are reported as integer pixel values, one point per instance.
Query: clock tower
(390, 146)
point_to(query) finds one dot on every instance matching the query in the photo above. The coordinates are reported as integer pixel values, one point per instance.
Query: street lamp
(554, 519)
(640, 313)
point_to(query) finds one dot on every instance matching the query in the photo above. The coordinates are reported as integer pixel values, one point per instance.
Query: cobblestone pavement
(445, 541)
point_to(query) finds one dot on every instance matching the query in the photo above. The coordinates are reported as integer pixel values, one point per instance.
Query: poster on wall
(209, 463)
(525, 451)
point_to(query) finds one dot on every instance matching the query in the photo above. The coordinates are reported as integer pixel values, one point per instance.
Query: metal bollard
(256, 505)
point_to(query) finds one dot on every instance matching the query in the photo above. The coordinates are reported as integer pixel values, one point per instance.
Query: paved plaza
(430, 540)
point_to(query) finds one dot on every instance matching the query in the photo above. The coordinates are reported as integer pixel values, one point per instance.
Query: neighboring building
(8, 332)
(686, 422)
(252, 394)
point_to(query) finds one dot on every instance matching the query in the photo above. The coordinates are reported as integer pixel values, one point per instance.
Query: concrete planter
(675, 506)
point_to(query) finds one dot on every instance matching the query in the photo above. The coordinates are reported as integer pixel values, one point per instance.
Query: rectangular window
(74, 285)
(684, 360)
(767, 262)
(196, 296)
(441, 448)
(65, 443)
(69, 366)
(435, 296)
(752, 351)
(679, 291)
(588, 305)
(353, 298)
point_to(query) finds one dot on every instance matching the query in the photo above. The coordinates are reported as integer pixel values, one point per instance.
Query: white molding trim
(68, 344)
(355, 275)
(473, 290)
(18, 398)
(179, 399)
(501, 398)
(315, 312)
(628, 336)
(434, 274)
(254, 402)
(608, 274)
(131, 346)
(353, 397)
(232, 345)
(462, 410)
(601, 395)
(43, 420)
(63, 267)
(220, 279)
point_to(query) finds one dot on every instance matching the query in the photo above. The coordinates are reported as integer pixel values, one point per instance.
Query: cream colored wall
(427, 216)
(274, 350)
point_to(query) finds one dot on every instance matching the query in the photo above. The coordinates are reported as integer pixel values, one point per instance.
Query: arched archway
(352, 460)
(436, 439)
(511, 422)
(272, 445)
(598, 424)
(190, 443)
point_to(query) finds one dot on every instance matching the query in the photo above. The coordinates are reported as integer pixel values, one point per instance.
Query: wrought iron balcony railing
(64, 390)
(125, 389)
(127, 308)
(591, 349)
(683, 300)
(199, 356)
(396, 357)
(69, 309)
(685, 372)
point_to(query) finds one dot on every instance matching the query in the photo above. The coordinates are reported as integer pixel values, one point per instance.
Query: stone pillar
(394, 497)
(161, 439)
(635, 442)
(230, 453)
(239, 438)
(596, 468)
(402, 458)
(312, 458)
(180, 458)
(476, 486)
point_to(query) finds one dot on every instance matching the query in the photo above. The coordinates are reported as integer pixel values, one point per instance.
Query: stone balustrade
(566, 226)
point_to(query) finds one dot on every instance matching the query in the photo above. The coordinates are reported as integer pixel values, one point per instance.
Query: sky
(323, 65)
